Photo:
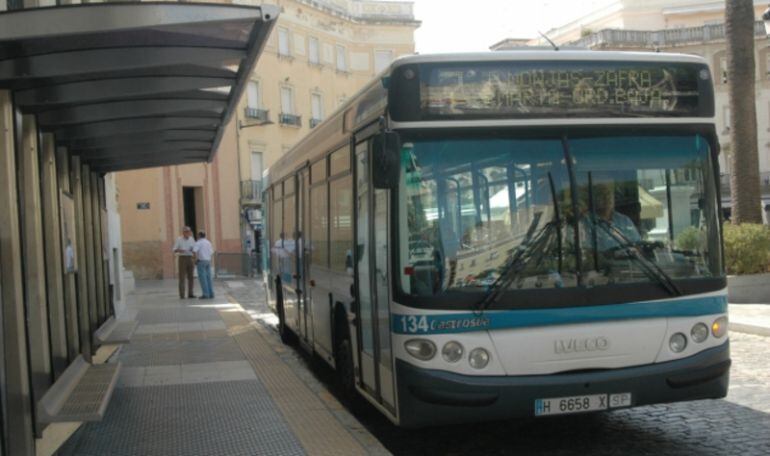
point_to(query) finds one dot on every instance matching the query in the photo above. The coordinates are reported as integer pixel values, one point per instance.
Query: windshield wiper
(649, 266)
(516, 264)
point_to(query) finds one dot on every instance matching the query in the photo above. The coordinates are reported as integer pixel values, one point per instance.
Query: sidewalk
(201, 377)
(750, 318)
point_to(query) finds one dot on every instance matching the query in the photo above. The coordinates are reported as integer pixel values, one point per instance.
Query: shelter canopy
(132, 85)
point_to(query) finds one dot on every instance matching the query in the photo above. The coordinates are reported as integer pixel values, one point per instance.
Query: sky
(460, 26)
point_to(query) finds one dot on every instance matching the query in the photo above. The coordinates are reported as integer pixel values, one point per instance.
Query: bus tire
(287, 336)
(345, 372)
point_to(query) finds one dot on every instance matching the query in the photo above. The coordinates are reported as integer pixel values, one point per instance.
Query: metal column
(70, 278)
(84, 321)
(96, 212)
(90, 263)
(53, 254)
(34, 261)
(15, 382)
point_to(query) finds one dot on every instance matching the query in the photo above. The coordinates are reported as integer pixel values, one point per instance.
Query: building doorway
(193, 208)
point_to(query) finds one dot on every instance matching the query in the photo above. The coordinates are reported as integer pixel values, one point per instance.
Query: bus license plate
(578, 404)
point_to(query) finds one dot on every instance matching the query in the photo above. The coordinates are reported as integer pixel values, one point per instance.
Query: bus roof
(540, 54)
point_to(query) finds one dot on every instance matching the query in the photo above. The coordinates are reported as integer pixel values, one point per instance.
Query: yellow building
(686, 26)
(319, 54)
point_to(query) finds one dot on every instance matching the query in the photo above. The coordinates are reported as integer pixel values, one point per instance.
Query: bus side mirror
(385, 160)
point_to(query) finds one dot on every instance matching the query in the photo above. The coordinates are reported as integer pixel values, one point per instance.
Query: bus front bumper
(431, 397)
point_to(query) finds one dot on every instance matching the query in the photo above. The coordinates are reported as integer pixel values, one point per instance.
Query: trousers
(185, 275)
(204, 277)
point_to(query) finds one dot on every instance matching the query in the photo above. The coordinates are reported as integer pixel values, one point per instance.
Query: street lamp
(766, 19)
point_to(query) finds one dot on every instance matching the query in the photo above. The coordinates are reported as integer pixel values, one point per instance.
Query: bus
(508, 234)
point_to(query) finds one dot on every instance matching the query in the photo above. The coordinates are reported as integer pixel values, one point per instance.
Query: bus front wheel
(287, 337)
(345, 372)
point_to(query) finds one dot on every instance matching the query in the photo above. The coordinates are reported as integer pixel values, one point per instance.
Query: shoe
(191, 297)
(202, 297)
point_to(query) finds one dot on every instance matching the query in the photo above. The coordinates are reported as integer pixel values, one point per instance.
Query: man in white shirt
(183, 247)
(203, 252)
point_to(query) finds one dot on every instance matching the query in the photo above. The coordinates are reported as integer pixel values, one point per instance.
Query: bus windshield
(628, 210)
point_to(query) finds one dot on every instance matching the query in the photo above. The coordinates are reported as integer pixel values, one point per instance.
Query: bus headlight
(452, 351)
(422, 349)
(479, 358)
(719, 327)
(699, 332)
(677, 343)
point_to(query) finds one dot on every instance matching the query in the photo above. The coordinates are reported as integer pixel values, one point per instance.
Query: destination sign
(564, 89)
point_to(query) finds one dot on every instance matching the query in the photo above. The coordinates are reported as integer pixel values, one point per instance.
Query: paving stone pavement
(187, 388)
(737, 425)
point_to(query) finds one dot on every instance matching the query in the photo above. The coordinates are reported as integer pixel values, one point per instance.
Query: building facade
(319, 54)
(684, 26)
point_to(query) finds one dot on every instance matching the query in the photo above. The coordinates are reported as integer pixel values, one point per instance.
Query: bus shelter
(87, 90)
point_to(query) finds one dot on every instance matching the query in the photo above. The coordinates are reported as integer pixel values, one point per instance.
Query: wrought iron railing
(290, 119)
(764, 184)
(314, 122)
(251, 190)
(262, 115)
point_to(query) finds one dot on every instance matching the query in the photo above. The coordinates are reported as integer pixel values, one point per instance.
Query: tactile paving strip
(310, 420)
(223, 418)
(165, 352)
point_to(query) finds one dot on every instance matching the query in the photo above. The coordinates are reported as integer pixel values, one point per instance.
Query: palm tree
(744, 160)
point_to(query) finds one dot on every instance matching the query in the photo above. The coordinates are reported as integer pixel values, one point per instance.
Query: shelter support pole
(53, 254)
(70, 278)
(15, 370)
(34, 261)
(90, 264)
(84, 320)
(96, 212)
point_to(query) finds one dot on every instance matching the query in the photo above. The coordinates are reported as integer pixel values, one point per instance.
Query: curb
(749, 329)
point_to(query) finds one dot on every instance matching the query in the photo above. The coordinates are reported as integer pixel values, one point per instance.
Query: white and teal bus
(484, 236)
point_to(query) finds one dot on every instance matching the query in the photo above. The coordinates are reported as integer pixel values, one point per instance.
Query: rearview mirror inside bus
(385, 154)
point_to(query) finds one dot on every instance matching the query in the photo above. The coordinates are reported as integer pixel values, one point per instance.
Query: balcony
(290, 119)
(614, 38)
(260, 116)
(764, 184)
(251, 192)
(314, 122)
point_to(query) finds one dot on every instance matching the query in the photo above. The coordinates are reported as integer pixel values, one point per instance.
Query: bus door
(372, 274)
(303, 263)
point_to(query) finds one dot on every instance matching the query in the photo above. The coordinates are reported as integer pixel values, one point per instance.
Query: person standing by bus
(203, 251)
(183, 247)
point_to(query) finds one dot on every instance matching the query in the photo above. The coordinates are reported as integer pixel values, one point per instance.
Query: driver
(605, 213)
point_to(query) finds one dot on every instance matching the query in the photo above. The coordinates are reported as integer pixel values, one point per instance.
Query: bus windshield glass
(629, 210)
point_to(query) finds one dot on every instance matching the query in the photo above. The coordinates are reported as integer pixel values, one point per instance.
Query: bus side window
(341, 226)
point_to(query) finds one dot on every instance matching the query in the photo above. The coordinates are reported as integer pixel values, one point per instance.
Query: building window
(316, 109)
(342, 60)
(288, 117)
(287, 100)
(253, 109)
(722, 68)
(283, 42)
(256, 164)
(726, 117)
(314, 51)
(252, 95)
(382, 59)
